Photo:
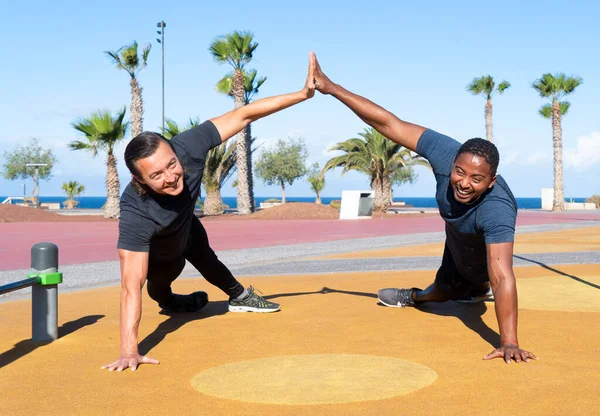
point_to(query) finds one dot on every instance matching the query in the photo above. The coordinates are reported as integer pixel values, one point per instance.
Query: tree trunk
(213, 203)
(137, 108)
(111, 208)
(387, 186)
(70, 203)
(245, 197)
(559, 198)
(488, 120)
(318, 200)
(382, 191)
(282, 193)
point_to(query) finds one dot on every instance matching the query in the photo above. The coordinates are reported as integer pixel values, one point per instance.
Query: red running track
(88, 242)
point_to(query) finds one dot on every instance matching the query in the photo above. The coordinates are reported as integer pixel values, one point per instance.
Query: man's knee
(159, 291)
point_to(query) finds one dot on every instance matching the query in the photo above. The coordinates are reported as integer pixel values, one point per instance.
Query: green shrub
(595, 199)
(272, 201)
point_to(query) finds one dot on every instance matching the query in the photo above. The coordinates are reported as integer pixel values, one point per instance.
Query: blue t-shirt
(161, 224)
(490, 220)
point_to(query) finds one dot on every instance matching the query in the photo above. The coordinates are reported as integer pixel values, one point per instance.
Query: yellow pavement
(564, 241)
(331, 350)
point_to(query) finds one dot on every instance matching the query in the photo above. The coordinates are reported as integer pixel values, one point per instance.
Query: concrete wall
(548, 198)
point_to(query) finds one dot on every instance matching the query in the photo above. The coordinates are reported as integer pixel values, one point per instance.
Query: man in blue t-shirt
(479, 211)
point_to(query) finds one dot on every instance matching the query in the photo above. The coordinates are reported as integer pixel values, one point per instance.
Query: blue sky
(413, 58)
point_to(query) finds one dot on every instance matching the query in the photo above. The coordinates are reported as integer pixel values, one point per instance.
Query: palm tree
(251, 85)
(377, 157)
(102, 132)
(127, 58)
(236, 49)
(73, 189)
(172, 129)
(486, 87)
(556, 87)
(316, 181)
(218, 168)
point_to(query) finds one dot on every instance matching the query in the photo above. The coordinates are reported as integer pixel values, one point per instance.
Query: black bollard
(44, 296)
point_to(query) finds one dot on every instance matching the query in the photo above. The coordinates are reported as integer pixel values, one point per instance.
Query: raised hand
(322, 82)
(309, 86)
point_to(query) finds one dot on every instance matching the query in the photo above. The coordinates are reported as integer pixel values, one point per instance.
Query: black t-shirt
(161, 224)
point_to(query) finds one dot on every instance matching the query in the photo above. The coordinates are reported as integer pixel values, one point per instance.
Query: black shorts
(449, 281)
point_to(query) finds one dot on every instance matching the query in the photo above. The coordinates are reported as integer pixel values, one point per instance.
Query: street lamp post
(36, 179)
(161, 32)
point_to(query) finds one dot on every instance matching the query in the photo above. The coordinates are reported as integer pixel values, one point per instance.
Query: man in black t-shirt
(158, 230)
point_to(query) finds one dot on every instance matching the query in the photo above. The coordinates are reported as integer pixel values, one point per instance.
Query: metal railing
(44, 281)
(9, 199)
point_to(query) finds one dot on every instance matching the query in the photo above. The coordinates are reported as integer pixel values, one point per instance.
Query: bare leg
(432, 294)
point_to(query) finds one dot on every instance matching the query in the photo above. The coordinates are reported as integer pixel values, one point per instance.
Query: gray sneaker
(397, 298)
(252, 303)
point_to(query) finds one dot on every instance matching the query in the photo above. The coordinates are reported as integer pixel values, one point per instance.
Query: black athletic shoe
(398, 298)
(185, 303)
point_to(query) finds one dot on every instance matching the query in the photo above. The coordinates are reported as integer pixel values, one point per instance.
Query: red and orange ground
(331, 350)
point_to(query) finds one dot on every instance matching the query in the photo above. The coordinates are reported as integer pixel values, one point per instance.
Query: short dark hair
(141, 146)
(482, 148)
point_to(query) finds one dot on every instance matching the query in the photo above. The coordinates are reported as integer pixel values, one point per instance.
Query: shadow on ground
(570, 276)
(469, 314)
(26, 346)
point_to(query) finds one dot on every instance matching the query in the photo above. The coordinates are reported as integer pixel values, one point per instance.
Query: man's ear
(493, 181)
(137, 178)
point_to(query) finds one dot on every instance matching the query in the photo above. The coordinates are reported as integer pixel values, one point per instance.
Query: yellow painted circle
(314, 379)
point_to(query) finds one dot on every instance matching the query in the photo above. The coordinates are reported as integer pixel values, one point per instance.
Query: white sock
(243, 296)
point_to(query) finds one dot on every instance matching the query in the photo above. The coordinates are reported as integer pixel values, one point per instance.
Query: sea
(96, 202)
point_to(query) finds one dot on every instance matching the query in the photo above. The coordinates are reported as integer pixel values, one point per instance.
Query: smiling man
(479, 211)
(158, 231)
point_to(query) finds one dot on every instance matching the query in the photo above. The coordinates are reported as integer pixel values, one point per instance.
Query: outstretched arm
(134, 268)
(232, 122)
(404, 133)
(503, 282)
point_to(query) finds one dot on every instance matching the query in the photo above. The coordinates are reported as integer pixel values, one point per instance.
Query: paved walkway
(96, 242)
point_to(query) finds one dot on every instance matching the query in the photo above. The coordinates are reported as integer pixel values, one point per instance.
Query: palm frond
(225, 84)
(101, 130)
(373, 154)
(145, 54)
(483, 85)
(251, 85)
(234, 48)
(504, 85)
(193, 122)
(546, 86)
(79, 145)
(546, 110)
(220, 164)
(570, 83)
(556, 86)
(171, 130)
(220, 50)
(114, 56)
(131, 60)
